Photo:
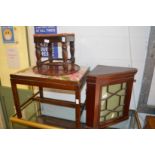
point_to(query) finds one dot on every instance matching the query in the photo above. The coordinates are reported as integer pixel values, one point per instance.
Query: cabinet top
(105, 71)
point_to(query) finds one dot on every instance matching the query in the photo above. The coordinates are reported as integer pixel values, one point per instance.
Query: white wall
(139, 42)
(100, 45)
(113, 45)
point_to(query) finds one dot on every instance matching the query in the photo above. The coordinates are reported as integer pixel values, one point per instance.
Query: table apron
(55, 85)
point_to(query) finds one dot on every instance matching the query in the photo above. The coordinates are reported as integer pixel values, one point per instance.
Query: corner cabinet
(108, 95)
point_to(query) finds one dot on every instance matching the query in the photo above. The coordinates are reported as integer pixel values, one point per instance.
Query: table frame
(75, 86)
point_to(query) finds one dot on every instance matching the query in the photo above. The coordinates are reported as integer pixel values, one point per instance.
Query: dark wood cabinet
(108, 95)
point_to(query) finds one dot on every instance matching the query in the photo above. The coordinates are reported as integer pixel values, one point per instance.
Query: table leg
(16, 99)
(41, 96)
(41, 91)
(78, 108)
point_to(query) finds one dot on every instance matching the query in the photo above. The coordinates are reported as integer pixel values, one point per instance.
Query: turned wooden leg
(38, 54)
(72, 51)
(65, 55)
(50, 52)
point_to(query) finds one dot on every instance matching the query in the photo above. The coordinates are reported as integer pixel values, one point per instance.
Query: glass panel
(104, 113)
(104, 93)
(120, 113)
(121, 92)
(122, 100)
(112, 101)
(111, 115)
(114, 88)
(103, 105)
(118, 109)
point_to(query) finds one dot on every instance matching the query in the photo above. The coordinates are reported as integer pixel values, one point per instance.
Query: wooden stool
(55, 66)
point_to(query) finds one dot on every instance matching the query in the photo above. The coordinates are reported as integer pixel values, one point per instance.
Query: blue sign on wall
(47, 30)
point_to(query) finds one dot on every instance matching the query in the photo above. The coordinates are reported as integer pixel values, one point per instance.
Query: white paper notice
(13, 58)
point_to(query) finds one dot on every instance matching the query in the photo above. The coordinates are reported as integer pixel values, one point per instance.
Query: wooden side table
(73, 82)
